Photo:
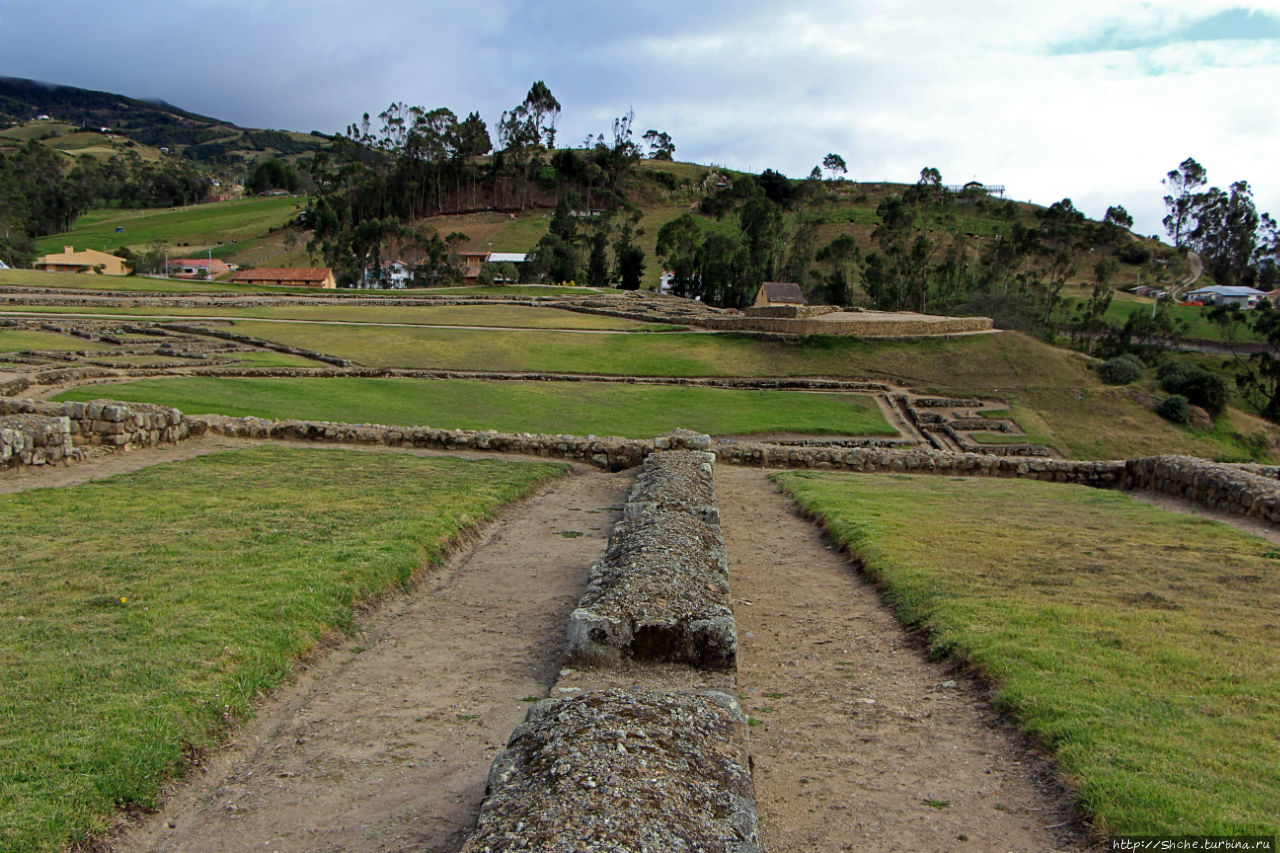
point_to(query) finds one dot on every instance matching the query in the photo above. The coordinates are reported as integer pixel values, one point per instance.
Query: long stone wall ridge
(623, 770)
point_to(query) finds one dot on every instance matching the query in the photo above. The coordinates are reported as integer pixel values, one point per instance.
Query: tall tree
(835, 165)
(1180, 202)
(660, 145)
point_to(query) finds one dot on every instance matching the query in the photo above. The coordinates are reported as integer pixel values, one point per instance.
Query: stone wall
(623, 770)
(661, 590)
(1232, 488)
(101, 422)
(641, 761)
(27, 439)
(854, 325)
(1242, 489)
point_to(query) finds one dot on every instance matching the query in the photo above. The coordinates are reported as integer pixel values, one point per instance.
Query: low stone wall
(611, 454)
(1231, 488)
(28, 439)
(623, 770)
(258, 342)
(101, 422)
(791, 312)
(661, 590)
(854, 325)
(1106, 474)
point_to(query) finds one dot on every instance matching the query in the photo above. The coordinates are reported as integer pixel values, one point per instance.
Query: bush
(1199, 386)
(1120, 370)
(1133, 254)
(1174, 408)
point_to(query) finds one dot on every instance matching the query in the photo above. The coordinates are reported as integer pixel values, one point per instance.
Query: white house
(1219, 294)
(394, 275)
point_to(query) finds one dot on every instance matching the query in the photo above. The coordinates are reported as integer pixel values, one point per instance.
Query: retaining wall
(853, 325)
(101, 422)
(28, 439)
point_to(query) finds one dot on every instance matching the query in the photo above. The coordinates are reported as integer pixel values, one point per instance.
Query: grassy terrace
(131, 283)
(579, 408)
(1057, 397)
(146, 628)
(14, 340)
(1141, 646)
(503, 316)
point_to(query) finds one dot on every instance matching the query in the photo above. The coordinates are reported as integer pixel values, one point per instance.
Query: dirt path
(385, 743)
(862, 743)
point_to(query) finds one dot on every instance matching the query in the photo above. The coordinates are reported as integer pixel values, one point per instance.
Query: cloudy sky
(1091, 100)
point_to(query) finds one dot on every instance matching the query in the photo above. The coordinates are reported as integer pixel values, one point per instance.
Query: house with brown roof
(774, 293)
(288, 277)
(69, 260)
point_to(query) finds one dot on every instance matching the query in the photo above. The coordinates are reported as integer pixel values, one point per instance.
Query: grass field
(1062, 401)
(147, 627)
(225, 225)
(133, 283)
(578, 408)
(503, 316)
(1141, 646)
(14, 340)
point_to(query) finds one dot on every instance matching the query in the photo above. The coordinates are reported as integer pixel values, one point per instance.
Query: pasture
(1140, 646)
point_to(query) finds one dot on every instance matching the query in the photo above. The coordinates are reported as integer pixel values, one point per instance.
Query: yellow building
(72, 261)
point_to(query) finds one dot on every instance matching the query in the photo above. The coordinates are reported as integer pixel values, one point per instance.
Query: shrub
(1133, 254)
(1120, 370)
(1174, 408)
(1201, 387)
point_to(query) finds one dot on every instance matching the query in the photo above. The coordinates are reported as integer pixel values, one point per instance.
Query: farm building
(473, 261)
(773, 293)
(1219, 294)
(198, 268)
(288, 277)
(69, 260)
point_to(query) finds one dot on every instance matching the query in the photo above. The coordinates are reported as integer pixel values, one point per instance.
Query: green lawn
(146, 627)
(184, 228)
(1140, 646)
(578, 408)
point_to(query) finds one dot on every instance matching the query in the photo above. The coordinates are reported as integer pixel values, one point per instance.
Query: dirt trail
(864, 744)
(385, 743)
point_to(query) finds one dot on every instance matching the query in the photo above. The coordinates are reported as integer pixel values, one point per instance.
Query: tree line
(381, 177)
(1239, 245)
(42, 193)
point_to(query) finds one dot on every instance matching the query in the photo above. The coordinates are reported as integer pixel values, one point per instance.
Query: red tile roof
(283, 274)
